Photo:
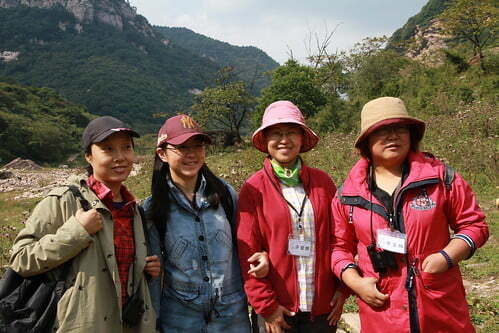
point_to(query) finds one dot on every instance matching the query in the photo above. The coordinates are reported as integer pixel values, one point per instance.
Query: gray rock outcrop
(116, 13)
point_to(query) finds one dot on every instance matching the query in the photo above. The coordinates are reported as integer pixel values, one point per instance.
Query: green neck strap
(288, 176)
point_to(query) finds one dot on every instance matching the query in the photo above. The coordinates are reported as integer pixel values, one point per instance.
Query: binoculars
(383, 260)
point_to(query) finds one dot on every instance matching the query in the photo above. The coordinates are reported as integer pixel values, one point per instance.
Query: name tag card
(297, 247)
(393, 241)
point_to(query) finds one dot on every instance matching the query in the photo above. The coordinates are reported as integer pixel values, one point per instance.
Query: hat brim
(416, 124)
(310, 139)
(103, 136)
(178, 140)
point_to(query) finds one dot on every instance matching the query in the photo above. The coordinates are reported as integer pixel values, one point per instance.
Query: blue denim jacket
(200, 266)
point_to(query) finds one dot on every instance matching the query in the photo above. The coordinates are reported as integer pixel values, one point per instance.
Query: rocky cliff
(116, 13)
(427, 43)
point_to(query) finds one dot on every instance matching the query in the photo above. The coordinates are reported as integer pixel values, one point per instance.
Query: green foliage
(249, 62)
(38, 124)
(293, 82)
(476, 22)
(119, 73)
(224, 107)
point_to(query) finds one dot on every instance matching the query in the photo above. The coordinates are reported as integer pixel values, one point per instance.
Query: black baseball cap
(100, 128)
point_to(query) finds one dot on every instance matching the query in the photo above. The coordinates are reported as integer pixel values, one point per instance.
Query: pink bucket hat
(281, 112)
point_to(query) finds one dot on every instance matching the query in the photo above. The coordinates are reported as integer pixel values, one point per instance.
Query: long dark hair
(215, 192)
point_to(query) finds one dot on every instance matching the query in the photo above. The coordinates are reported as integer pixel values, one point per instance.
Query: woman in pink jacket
(285, 210)
(394, 212)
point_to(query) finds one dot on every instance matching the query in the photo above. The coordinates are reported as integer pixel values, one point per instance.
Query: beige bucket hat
(385, 111)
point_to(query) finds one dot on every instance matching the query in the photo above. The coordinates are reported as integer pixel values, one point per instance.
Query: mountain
(38, 124)
(248, 61)
(418, 22)
(101, 54)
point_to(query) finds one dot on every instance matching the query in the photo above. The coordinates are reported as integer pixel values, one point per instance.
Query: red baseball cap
(176, 130)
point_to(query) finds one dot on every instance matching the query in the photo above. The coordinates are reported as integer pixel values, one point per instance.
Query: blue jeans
(202, 313)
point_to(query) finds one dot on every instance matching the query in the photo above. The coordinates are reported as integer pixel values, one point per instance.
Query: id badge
(393, 241)
(298, 247)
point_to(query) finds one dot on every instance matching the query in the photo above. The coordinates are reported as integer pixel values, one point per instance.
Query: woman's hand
(262, 269)
(153, 266)
(434, 263)
(91, 220)
(337, 304)
(275, 323)
(366, 289)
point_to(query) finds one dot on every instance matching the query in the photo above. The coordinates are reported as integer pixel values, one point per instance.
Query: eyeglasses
(389, 129)
(278, 135)
(185, 149)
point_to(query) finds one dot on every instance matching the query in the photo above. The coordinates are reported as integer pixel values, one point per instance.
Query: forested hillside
(37, 123)
(249, 62)
(120, 73)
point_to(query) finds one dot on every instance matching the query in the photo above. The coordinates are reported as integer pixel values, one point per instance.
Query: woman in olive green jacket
(59, 231)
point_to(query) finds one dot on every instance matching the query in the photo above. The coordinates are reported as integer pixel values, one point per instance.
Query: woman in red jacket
(284, 209)
(394, 212)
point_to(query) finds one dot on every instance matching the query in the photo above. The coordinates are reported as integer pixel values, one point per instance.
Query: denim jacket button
(206, 278)
(204, 258)
(197, 219)
(201, 238)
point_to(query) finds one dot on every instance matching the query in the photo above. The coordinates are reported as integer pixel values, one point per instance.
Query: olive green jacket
(52, 236)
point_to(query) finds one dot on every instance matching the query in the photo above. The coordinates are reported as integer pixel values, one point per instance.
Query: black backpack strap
(76, 192)
(228, 206)
(449, 175)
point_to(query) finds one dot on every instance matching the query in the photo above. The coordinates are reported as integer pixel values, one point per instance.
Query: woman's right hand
(262, 269)
(91, 220)
(366, 288)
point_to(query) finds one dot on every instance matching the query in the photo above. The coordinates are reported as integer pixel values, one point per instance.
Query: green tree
(293, 82)
(224, 107)
(474, 21)
(372, 71)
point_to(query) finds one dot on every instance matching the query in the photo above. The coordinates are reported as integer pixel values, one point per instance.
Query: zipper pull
(409, 283)
(390, 219)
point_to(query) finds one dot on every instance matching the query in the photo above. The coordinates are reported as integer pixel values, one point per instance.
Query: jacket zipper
(411, 268)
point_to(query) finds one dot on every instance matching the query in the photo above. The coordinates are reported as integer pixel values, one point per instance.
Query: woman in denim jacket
(202, 287)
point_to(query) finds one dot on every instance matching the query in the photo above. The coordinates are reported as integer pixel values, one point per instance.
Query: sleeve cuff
(468, 241)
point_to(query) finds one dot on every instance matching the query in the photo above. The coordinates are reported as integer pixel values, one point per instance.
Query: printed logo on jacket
(422, 202)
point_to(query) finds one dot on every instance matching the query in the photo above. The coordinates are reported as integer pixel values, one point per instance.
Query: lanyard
(299, 213)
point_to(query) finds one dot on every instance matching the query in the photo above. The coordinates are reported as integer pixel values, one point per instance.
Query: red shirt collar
(105, 194)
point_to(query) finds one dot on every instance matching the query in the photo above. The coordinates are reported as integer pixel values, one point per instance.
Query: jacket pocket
(442, 281)
(180, 254)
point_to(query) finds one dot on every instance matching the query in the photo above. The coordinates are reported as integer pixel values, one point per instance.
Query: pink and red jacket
(419, 301)
(265, 225)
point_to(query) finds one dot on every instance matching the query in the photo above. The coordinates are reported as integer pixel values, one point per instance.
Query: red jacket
(436, 302)
(265, 224)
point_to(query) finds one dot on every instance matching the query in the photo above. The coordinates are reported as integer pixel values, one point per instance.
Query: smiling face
(389, 145)
(185, 160)
(284, 143)
(112, 159)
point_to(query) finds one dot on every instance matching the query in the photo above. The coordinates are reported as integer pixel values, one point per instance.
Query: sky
(283, 27)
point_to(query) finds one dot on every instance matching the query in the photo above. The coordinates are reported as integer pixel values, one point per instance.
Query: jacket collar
(304, 173)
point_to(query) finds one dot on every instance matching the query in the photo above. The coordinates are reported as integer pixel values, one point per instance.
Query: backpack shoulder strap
(77, 194)
(228, 206)
(449, 175)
